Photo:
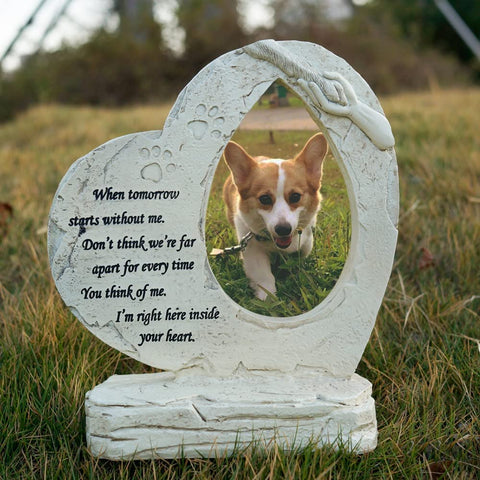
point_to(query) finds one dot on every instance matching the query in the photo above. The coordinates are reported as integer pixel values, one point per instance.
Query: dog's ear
(240, 163)
(312, 156)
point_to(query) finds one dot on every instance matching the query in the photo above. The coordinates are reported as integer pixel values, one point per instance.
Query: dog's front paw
(256, 263)
(262, 291)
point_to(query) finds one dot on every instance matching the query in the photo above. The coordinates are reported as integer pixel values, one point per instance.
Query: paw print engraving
(153, 171)
(206, 119)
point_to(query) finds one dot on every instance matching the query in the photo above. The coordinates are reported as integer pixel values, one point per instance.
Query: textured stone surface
(128, 256)
(157, 415)
(141, 284)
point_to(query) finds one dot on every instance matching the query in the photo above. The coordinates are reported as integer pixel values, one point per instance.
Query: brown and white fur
(278, 201)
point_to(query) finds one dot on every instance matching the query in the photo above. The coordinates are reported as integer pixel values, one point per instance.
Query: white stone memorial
(128, 255)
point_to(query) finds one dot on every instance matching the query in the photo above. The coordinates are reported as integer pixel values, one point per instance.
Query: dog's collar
(244, 242)
(262, 238)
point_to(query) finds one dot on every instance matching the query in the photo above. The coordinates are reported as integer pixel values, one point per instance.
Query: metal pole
(53, 24)
(460, 26)
(30, 20)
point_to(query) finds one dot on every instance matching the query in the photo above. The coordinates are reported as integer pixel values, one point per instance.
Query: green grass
(423, 357)
(293, 101)
(302, 283)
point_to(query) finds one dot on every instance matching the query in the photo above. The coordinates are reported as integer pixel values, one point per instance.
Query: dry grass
(423, 358)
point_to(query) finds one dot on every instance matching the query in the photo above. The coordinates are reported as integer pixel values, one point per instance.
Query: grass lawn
(423, 357)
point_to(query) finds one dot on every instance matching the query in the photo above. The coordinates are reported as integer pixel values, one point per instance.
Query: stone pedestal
(160, 416)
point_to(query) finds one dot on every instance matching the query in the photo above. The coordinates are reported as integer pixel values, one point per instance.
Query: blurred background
(119, 52)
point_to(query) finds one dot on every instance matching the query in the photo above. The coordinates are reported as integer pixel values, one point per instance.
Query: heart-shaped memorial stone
(127, 240)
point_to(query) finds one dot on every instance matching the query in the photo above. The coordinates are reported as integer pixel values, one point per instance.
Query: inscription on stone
(130, 254)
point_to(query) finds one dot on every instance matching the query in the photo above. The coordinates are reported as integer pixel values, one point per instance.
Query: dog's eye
(294, 197)
(265, 199)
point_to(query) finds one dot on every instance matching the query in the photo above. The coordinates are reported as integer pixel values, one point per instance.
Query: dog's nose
(283, 229)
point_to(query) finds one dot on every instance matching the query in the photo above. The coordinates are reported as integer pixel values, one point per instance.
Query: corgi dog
(275, 200)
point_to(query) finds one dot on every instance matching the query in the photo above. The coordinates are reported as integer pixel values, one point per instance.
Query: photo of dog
(275, 203)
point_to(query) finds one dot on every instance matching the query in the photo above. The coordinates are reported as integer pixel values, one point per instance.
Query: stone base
(162, 416)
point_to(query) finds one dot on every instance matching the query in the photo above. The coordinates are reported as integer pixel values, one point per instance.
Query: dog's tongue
(283, 242)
